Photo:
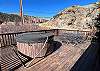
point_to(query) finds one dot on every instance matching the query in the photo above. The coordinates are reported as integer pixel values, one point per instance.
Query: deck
(61, 60)
(65, 53)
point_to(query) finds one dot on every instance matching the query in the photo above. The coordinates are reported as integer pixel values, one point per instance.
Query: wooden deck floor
(9, 61)
(61, 60)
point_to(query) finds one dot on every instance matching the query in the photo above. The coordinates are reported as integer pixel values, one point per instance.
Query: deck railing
(8, 39)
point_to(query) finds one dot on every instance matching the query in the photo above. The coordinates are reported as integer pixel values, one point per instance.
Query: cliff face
(75, 17)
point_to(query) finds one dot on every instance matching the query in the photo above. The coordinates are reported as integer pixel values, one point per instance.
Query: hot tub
(34, 44)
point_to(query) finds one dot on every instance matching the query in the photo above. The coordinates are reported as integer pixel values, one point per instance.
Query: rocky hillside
(12, 23)
(16, 18)
(74, 18)
(9, 17)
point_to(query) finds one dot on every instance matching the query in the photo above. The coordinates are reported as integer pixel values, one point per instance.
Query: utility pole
(21, 12)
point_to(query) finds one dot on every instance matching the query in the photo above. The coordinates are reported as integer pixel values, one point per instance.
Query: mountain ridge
(75, 17)
(16, 18)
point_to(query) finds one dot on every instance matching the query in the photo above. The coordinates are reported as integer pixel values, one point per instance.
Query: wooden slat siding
(6, 36)
(8, 39)
(12, 38)
(5, 40)
(0, 41)
(31, 50)
(14, 41)
(3, 43)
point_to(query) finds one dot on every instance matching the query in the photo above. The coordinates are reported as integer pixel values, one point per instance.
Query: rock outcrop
(75, 18)
(12, 23)
(16, 18)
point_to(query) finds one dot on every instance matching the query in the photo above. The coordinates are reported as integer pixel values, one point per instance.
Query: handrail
(25, 32)
(41, 31)
(37, 53)
(3, 36)
(7, 39)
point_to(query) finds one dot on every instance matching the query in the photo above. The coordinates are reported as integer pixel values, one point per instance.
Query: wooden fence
(8, 39)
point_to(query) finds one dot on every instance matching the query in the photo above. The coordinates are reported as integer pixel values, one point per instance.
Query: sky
(40, 8)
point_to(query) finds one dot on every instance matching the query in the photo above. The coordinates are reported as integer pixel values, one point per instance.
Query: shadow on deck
(90, 60)
(53, 47)
(10, 61)
(24, 61)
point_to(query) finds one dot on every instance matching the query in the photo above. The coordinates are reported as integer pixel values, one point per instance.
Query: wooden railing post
(56, 32)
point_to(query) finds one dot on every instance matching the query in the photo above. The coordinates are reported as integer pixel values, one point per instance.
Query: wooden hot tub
(34, 44)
